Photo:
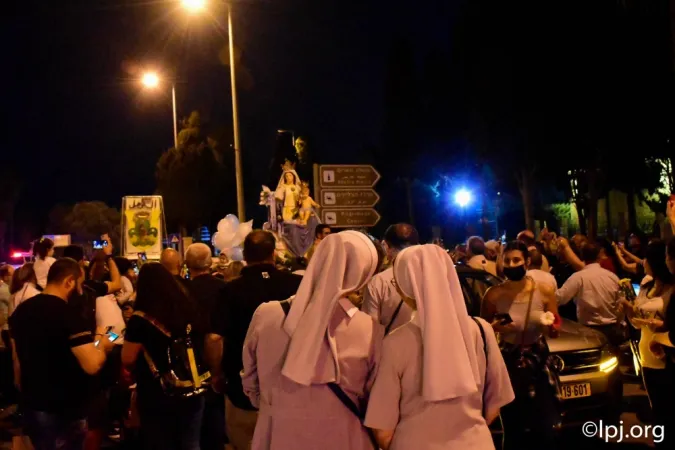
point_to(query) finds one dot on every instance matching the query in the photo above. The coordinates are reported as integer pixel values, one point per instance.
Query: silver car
(590, 378)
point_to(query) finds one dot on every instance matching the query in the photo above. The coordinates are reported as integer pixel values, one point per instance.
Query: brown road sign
(350, 218)
(348, 176)
(349, 198)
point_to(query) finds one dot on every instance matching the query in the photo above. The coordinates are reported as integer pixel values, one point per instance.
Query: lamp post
(151, 81)
(463, 198)
(196, 6)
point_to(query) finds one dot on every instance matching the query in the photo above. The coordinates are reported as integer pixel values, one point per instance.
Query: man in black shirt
(54, 351)
(205, 290)
(259, 282)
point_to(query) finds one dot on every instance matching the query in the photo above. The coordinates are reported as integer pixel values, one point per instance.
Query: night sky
(78, 126)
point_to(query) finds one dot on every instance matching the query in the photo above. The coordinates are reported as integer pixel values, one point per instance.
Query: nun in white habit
(288, 360)
(433, 389)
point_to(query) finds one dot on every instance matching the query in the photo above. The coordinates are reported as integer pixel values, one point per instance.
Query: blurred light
(150, 80)
(463, 197)
(636, 364)
(17, 255)
(499, 193)
(194, 6)
(609, 364)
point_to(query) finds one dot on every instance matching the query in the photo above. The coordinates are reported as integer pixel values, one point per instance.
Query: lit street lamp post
(241, 212)
(195, 6)
(151, 81)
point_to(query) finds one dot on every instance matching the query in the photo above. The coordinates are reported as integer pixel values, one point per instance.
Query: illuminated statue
(288, 192)
(306, 204)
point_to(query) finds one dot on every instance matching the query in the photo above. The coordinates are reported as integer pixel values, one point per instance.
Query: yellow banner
(142, 226)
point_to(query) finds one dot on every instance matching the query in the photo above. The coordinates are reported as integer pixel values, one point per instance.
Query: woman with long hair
(647, 314)
(442, 379)
(163, 312)
(43, 251)
(522, 312)
(23, 286)
(98, 267)
(309, 372)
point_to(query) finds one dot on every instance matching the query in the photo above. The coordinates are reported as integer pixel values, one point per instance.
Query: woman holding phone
(647, 314)
(523, 312)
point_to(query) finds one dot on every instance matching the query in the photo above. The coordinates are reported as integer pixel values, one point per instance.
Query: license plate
(568, 391)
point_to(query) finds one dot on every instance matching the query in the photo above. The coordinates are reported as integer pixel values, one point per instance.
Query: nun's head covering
(342, 263)
(450, 368)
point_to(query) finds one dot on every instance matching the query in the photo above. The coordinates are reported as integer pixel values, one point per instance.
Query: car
(590, 379)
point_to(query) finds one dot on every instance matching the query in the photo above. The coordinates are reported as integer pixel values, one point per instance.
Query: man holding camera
(54, 352)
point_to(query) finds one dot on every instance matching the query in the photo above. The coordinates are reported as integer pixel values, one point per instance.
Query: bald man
(380, 298)
(170, 259)
(206, 291)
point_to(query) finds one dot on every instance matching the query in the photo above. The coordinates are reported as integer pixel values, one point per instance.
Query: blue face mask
(515, 273)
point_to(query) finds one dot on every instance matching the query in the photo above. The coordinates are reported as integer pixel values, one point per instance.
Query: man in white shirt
(380, 298)
(596, 294)
(475, 253)
(537, 274)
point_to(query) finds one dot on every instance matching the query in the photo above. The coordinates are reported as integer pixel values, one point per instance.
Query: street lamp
(195, 6)
(462, 198)
(151, 81)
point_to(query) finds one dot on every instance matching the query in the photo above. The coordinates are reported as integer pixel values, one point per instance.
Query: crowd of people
(371, 346)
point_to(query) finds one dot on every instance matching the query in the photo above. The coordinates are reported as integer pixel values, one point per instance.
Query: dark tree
(194, 180)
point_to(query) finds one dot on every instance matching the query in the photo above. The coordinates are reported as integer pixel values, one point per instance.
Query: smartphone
(504, 319)
(112, 337)
(98, 245)
(142, 258)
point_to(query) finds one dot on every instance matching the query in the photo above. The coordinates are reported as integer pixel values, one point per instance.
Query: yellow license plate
(568, 391)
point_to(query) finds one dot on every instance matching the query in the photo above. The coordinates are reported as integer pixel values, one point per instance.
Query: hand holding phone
(106, 343)
(142, 258)
(504, 319)
(107, 246)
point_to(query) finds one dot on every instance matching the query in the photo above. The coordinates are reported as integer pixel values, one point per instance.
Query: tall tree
(193, 179)
(85, 221)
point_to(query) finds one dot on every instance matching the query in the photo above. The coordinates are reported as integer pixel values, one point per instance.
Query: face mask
(515, 273)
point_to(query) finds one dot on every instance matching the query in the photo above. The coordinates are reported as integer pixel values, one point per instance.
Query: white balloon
(219, 240)
(242, 232)
(234, 253)
(226, 226)
(223, 225)
(234, 221)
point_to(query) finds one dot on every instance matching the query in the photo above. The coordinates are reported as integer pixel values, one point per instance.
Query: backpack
(186, 375)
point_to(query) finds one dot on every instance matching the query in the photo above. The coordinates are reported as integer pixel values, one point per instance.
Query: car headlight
(608, 361)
